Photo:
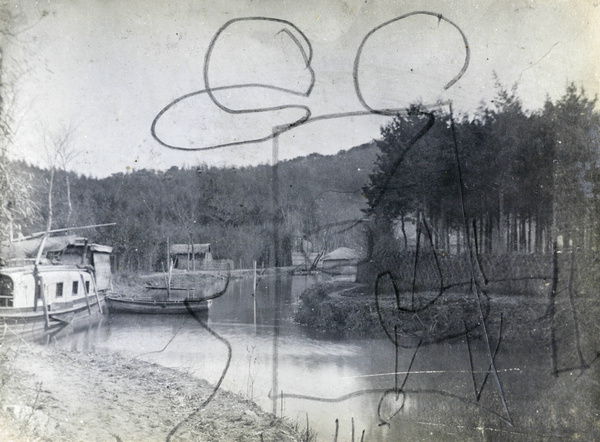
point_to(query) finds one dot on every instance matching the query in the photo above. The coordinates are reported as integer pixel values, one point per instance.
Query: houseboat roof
(28, 248)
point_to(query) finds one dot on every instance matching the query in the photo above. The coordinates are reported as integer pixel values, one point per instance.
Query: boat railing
(19, 262)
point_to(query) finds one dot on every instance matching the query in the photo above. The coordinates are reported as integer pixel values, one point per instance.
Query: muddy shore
(47, 394)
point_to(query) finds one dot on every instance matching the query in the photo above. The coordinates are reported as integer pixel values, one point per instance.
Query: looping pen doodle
(392, 400)
(304, 47)
(356, 71)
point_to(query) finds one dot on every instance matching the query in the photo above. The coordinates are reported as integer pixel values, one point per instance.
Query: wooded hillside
(528, 178)
(230, 208)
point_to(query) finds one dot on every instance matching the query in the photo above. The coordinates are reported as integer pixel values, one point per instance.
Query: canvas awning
(29, 248)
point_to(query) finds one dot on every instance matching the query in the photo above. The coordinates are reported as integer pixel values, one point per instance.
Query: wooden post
(193, 256)
(168, 252)
(552, 310)
(87, 301)
(33, 235)
(40, 250)
(96, 291)
(254, 294)
(44, 301)
(168, 278)
(167, 283)
(85, 250)
(170, 275)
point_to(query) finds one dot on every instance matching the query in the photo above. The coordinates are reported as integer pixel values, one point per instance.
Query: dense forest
(518, 180)
(233, 209)
(528, 178)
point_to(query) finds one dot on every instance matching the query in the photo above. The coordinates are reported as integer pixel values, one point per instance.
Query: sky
(103, 70)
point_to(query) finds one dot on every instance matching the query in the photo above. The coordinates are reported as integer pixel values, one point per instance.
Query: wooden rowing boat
(165, 299)
(121, 304)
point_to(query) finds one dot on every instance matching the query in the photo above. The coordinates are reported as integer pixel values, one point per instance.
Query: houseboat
(48, 280)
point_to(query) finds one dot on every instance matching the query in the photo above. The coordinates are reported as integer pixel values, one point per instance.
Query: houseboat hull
(27, 323)
(57, 313)
(155, 307)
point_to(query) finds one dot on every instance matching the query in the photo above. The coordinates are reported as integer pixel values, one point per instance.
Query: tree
(413, 175)
(60, 154)
(16, 205)
(574, 125)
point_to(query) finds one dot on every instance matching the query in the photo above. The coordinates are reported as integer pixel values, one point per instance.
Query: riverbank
(47, 394)
(134, 284)
(343, 306)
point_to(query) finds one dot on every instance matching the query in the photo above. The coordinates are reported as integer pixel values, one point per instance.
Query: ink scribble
(300, 41)
(474, 300)
(411, 244)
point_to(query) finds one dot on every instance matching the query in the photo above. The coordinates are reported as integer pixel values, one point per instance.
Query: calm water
(346, 378)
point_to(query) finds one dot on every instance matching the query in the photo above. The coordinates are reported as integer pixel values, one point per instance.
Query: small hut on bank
(304, 258)
(341, 262)
(190, 256)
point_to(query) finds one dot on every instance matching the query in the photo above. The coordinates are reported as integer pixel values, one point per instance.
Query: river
(323, 378)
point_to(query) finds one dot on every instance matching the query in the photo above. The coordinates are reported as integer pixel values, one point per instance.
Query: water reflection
(312, 373)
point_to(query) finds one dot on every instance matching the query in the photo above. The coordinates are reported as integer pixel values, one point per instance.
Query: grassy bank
(352, 307)
(203, 283)
(47, 394)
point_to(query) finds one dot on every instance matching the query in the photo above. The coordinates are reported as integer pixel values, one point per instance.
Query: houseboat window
(6, 291)
(87, 286)
(75, 288)
(59, 289)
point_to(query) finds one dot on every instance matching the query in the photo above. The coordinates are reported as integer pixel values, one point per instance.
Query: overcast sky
(107, 68)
